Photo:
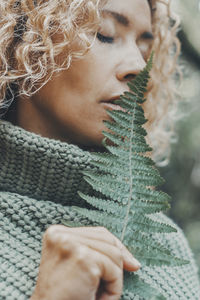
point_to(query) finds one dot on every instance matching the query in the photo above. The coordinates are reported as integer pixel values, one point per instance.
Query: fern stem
(131, 179)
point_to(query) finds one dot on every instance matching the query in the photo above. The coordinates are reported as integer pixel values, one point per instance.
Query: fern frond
(124, 199)
(135, 286)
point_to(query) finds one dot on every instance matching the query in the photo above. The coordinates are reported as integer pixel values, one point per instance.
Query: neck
(28, 116)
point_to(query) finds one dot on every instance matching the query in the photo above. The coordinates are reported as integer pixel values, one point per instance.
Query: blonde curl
(29, 50)
(161, 108)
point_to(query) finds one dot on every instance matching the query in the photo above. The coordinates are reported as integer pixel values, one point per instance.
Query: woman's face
(72, 106)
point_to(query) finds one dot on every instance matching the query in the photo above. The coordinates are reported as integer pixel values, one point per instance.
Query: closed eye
(105, 39)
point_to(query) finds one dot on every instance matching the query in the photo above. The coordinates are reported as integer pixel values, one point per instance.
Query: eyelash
(105, 39)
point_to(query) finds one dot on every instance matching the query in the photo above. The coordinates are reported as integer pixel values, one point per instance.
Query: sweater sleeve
(22, 223)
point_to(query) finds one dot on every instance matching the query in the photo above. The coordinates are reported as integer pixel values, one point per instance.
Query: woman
(62, 65)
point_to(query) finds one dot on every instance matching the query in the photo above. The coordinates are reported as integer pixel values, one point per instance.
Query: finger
(113, 252)
(103, 235)
(129, 262)
(111, 275)
(59, 239)
(104, 248)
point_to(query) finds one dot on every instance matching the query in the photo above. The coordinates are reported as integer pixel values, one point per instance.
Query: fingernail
(134, 261)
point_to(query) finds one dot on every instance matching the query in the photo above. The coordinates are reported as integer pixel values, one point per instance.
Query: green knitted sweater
(39, 180)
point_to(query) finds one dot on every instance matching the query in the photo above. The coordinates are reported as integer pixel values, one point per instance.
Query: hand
(84, 263)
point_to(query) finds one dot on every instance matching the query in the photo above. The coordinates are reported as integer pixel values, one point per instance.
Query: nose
(131, 63)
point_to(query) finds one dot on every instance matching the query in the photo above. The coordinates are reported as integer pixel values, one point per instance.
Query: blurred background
(183, 173)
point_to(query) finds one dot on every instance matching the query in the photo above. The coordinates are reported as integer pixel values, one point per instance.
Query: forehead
(134, 10)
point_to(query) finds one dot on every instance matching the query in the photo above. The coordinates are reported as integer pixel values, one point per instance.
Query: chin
(92, 142)
(96, 143)
(91, 139)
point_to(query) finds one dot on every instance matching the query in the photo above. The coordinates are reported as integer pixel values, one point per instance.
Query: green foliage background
(183, 173)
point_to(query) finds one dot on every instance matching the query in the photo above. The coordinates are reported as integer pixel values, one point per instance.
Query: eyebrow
(121, 19)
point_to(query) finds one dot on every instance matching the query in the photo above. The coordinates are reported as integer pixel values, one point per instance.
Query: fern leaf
(123, 199)
(135, 286)
(143, 223)
(100, 218)
(104, 205)
(151, 207)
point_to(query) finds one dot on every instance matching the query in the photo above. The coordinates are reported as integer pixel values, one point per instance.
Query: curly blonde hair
(29, 54)
(161, 106)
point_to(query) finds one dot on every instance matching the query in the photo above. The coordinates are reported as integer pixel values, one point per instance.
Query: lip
(112, 99)
(109, 104)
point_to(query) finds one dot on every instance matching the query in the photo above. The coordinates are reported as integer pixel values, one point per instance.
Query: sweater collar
(39, 167)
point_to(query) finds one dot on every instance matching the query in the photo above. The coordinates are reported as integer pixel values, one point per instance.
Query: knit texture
(39, 180)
